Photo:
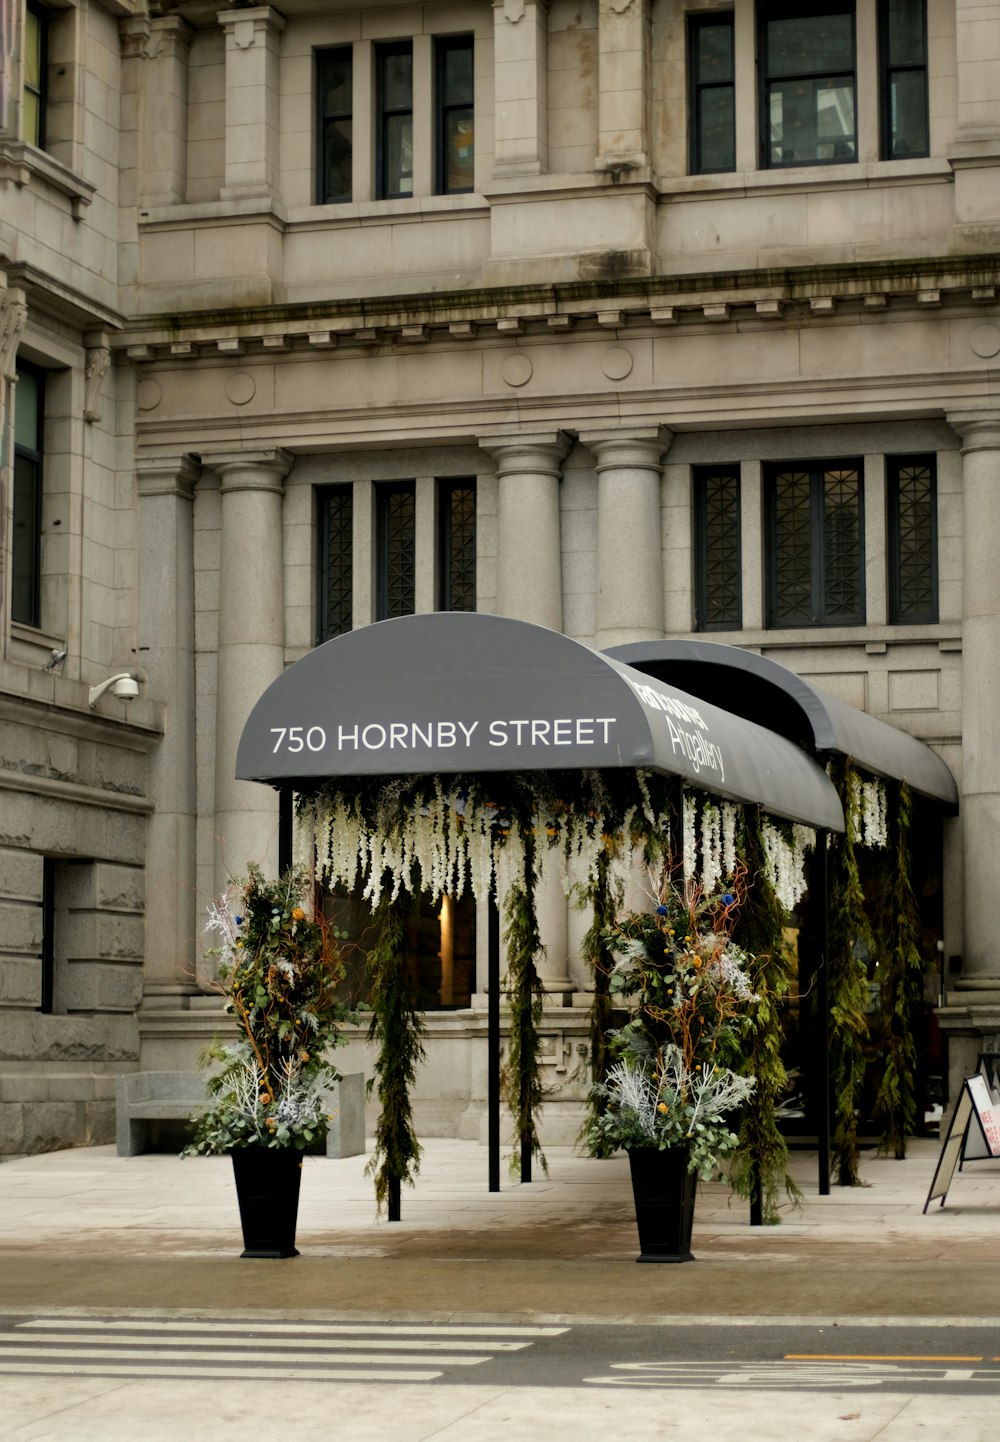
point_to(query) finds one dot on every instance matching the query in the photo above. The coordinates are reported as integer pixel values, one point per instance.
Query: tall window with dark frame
(454, 116)
(712, 119)
(394, 103)
(902, 38)
(334, 125)
(457, 545)
(807, 80)
(33, 84)
(26, 560)
(815, 551)
(911, 487)
(718, 603)
(396, 558)
(335, 569)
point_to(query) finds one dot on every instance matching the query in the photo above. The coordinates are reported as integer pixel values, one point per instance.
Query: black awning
(463, 692)
(762, 690)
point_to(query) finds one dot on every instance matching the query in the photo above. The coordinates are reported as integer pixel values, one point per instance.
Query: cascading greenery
(759, 1167)
(901, 974)
(849, 940)
(603, 900)
(397, 1031)
(521, 1082)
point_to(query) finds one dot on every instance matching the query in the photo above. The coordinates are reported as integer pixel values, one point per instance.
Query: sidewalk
(88, 1229)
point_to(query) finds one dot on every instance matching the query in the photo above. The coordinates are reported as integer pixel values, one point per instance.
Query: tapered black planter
(267, 1188)
(664, 1193)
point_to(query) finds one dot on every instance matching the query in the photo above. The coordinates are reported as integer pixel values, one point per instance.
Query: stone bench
(144, 1097)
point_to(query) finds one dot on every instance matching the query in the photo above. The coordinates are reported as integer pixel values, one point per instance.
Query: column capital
(245, 27)
(251, 470)
(167, 476)
(643, 447)
(979, 430)
(540, 453)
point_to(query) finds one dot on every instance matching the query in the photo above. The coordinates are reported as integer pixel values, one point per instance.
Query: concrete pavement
(87, 1229)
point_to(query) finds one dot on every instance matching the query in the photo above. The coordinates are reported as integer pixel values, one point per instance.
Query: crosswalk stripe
(182, 1354)
(148, 1369)
(246, 1340)
(352, 1329)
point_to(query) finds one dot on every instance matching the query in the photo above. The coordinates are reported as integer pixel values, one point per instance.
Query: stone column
(980, 805)
(165, 111)
(529, 555)
(975, 150)
(629, 534)
(165, 487)
(623, 78)
(251, 648)
(252, 39)
(520, 64)
(529, 588)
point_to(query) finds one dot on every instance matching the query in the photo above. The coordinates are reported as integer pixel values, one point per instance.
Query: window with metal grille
(335, 569)
(815, 551)
(454, 116)
(396, 559)
(911, 485)
(712, 93)
(902, 36)
(334, 125)
(394, 103)
(717, 548)
(457, 545)
(807, 84)
(26, 538)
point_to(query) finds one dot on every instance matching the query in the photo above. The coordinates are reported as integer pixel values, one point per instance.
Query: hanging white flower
(730, 816)
(690, 842)
(711, 854)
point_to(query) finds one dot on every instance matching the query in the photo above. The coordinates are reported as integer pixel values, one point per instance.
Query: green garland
(901, 973)
(760, 1163)
(849, 936)
(521, 1082)
(398, 1030)
(601, 896)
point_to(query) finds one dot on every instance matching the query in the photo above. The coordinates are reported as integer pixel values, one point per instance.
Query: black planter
(664, 1192)
(267, 1188)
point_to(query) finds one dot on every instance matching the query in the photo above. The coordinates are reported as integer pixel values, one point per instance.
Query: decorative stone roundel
(517, 370)
(986, 341)
(149, 395)
(240, 388)
(617, 363)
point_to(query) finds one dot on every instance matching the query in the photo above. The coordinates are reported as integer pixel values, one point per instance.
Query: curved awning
(463, 692)
(760, 689)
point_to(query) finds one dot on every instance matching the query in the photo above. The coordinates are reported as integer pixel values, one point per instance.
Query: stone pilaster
(252, 96)
(165, 112)
(980, 433)
(629, 534)
(529, 555)
(975, 150)
(165, 487)
(520, 64)
(251, 648)
(623, 77)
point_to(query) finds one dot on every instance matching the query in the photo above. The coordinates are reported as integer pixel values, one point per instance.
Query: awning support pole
(285, 817)
(823, 1008)
(493, 1037)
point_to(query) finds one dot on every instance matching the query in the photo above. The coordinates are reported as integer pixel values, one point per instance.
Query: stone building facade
(631, 318)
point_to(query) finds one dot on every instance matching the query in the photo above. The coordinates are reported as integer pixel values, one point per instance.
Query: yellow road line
(874, 1357)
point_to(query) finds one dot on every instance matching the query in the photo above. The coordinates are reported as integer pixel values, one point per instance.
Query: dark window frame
(384, 492)
(817, 470)
(894, 465)
(697, 24)
(26, 557)
(384, 51)
(322, 58)
(700, 477)
(783, 11)
(443, 45)
(886, 73)
(41, 91)
(325, 628)
(446, 491)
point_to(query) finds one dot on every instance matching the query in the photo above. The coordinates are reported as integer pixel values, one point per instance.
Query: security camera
(125, 686)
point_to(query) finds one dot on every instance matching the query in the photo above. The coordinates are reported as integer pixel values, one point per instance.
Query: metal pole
(285, 816)
(493, 1037)
(823, 1008)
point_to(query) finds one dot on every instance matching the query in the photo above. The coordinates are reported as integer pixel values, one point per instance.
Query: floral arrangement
(683, 980)
(279, 973)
